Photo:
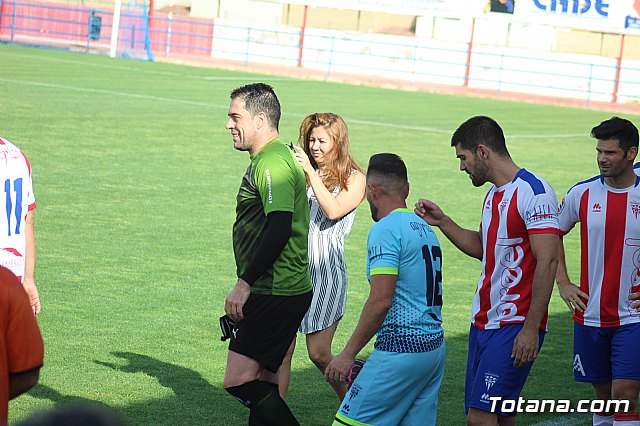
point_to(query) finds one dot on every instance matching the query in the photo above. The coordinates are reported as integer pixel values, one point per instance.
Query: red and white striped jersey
(610, 248)
(17, 199)
(527, 205)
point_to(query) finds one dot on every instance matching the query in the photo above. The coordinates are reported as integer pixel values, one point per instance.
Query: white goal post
(130, 30)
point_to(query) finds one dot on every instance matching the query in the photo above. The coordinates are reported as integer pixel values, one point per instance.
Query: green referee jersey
(274, 181)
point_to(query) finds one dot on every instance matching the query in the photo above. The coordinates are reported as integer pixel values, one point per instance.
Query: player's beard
(245, 140)
(241, 144)
(480, 172)
(374, 211)
(614, 169)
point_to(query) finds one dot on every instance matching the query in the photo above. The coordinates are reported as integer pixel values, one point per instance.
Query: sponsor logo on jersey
(487, 205)
(268, 175)
(375, 252)
(541, 212)
(422, 228)
(635, 281)
(577, 365)
(508, 262)
(596, 208)
(561, 206)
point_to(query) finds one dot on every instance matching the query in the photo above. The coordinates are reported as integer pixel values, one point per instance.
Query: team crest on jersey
(490, 379)
(561, 206)
(597, 208)
(635, 208)
(503, 205)
(577, 365)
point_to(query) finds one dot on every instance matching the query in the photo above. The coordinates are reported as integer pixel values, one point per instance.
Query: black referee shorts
(269, 326)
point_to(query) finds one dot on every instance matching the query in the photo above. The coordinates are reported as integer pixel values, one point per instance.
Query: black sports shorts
(269, 326)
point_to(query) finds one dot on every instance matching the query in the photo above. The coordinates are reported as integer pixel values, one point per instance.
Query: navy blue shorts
(603, 354)
(490, 370)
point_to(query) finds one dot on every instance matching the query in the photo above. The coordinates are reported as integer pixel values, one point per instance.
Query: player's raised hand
(575, 298)
(303, 159)
(430, 212)
(236, 299)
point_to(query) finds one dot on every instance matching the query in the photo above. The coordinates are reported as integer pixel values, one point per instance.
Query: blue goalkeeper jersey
(403, 244)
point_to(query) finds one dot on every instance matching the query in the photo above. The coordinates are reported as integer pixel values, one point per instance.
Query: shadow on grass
(41, 391)
(195, 401)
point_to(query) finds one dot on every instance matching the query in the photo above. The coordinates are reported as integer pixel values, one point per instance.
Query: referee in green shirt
(270, 233)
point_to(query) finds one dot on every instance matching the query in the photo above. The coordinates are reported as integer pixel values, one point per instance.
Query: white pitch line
(574, 419)
(555, 136)
(149, 71)
(110, 93)
(293, 114)
(397, 126)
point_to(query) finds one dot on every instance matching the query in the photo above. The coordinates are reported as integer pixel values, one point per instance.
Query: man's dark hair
(617, 128)
(260, 97)
(480, 130)
(389, 167)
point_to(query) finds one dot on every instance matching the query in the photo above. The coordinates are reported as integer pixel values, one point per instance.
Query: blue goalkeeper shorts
(395, 389)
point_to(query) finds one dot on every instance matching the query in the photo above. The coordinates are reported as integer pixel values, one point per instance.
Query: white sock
(626, 419)
(602, 420)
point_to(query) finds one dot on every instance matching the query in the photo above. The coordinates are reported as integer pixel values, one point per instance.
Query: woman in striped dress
(336, 186)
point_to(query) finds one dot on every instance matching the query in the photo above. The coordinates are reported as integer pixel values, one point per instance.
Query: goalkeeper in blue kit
(400, 381)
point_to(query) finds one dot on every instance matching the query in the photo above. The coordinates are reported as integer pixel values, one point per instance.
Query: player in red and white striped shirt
(17, 238)
(635, 297)
(607, 327)
(517, 243)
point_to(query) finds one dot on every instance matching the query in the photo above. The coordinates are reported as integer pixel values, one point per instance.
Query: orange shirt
(21, 348)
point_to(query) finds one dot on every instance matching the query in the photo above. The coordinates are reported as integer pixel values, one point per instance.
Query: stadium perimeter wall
(487, 66)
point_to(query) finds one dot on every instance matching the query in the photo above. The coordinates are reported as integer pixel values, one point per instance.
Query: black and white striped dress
(327, 266)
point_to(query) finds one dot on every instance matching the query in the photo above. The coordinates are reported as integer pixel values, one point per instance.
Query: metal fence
(413, 59)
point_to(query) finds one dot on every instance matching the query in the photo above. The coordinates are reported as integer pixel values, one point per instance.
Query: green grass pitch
(136, 178)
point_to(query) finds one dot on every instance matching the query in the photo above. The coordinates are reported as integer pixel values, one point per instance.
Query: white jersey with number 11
(18, 199)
